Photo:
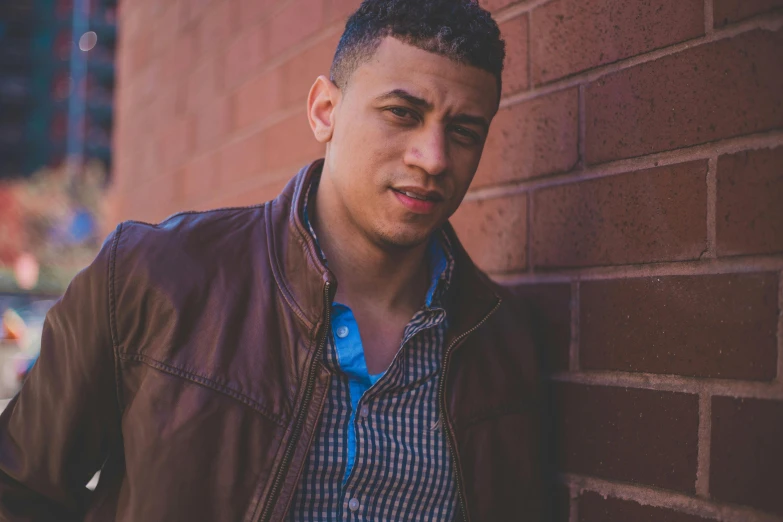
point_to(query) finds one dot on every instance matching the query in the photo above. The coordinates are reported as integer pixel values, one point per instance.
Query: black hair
(457, 29)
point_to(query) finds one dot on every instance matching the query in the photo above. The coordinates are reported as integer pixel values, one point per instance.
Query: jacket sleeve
(56, 433)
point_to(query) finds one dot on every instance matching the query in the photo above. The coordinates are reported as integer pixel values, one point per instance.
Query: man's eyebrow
(424, 104)
(408, 97)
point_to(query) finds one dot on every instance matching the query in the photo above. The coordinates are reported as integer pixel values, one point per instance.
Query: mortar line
(712, 202)
(709, 19)
(724, 265)
(704, 446)
(704, 151)
(769, 21)
(512, 11)
(656, 497)
(779, 378)
(573, 347)
(674, 384)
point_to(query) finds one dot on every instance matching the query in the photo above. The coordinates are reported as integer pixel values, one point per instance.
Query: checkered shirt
(402, 470)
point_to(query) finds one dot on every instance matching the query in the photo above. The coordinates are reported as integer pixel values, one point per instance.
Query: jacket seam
(113, 316)
(206, 382)
(276, 273)
(193, 212)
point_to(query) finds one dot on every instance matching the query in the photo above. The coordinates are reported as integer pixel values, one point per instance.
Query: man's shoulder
(197, 232)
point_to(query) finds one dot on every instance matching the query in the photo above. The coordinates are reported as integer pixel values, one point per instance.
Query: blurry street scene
(56, 116)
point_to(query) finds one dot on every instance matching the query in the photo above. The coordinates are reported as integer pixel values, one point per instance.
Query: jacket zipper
(442, 400)
(308, 396)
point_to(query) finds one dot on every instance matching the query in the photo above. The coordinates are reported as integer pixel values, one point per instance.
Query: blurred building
(56, 82)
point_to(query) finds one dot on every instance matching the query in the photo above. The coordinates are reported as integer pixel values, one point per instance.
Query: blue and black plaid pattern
(403, 469)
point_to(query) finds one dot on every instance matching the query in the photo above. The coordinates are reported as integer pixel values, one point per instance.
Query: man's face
(407, 136)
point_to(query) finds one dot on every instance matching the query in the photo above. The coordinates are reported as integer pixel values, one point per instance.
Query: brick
(749, 210)
(243, 57)
(217, 25)
(200, 178)
(494, 232)
(257, 98)
(300, 72)
(746, 453)
(515, 70)
(291, 144)
(213, 122)
(718, 326)
(202, 84)
(294, 23)
(341, 9)
(561, 44)
(653, 215)
(251, 11)
(174, 143)
(550, 306)
(179, 59)
(166, 28)
(729, 11)
(714, 91)
(642, 436)
(241, 159)
(531, 139)
(193, 11)
(496, 5)
(594, 507)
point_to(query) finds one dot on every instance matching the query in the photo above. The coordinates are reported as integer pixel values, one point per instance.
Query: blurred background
(631, 187)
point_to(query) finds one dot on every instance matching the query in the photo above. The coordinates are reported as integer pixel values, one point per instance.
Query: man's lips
(418, 200)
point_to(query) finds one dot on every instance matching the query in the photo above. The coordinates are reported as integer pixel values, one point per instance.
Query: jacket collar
(302, 276)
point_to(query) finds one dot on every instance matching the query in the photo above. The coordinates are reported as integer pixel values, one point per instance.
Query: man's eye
(400, 112)
(466, 133)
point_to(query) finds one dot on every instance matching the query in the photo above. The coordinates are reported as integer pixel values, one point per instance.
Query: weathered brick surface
(531, 139)
(597, 508)
(641, 217)
(750, 202)
(746, 452)
(618, 29)
(243, 56)
(294, 23)
(730, 11)
(643, 436)
(483, 224)
(496, 5)
(550, 306)
(721, 326)
(256, 99)
(719, 90)
(515, 71)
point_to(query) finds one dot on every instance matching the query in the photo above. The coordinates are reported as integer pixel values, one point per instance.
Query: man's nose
(428, 151)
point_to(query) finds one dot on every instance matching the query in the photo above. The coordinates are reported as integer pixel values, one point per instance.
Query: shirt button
(364, 411)
(353, 504)
(342, 332)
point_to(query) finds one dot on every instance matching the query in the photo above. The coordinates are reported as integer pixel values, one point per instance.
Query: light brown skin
(378, 139)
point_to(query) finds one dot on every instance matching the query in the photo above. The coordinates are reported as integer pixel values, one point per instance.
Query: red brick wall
(632, 184)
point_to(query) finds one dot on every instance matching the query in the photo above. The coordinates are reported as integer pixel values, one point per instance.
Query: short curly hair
(457, 29)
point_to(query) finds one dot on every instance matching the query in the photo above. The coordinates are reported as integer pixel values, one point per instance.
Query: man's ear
(321, 105)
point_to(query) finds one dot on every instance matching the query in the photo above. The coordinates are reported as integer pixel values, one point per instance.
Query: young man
(330, 355)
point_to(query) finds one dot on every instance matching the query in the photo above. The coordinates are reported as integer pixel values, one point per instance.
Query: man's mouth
(417, 200)
(421, 195)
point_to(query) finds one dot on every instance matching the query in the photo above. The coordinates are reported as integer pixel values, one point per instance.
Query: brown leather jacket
(185, 363)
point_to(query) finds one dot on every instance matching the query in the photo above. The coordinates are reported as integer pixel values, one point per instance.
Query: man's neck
(367, 273)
